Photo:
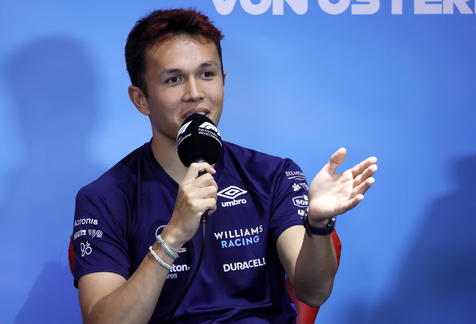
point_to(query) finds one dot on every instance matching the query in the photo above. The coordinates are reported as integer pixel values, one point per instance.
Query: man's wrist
(320, 227)
(318, 223)
(172, 239)
(160, 256)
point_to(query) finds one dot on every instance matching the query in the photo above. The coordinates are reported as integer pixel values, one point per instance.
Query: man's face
(182, 76)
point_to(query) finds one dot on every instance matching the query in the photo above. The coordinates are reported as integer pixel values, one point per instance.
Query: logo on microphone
(209, 126)
(232, 192)
(183, 128)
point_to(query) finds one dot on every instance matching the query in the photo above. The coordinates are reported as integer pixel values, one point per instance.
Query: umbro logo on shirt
(232, 192)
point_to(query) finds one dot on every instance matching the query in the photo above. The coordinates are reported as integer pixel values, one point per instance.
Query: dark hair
(159, 26)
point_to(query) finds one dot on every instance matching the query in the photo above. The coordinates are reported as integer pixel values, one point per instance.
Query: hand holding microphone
(198, 146)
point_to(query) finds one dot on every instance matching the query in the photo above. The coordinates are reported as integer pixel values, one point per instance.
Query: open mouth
(200, 113)
(203, 112)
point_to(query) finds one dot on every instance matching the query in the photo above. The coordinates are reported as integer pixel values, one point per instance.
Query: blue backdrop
(300, 84)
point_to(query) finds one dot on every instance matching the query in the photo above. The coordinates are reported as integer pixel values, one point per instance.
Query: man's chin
(164, 138)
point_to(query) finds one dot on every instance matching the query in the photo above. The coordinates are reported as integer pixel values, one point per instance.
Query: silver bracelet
(159, 260)
(170, 251)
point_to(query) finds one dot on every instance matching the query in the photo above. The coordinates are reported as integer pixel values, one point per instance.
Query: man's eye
(173, 80)
(208, 74)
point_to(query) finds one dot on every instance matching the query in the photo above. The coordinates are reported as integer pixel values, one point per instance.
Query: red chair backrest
(306, 313)
(71, 255)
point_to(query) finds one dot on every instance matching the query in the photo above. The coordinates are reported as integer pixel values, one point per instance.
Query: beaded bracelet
(159, 260)
(170, 251)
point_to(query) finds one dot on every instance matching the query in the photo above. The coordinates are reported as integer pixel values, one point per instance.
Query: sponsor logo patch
(95, 233)
(239, 237)
(91, 232)
(300, 201)
(232, 192)
(86, 248)
(79, 234)
(177, 268)
(304, 185)
(249, 264)
(85, 221)
(295, 175)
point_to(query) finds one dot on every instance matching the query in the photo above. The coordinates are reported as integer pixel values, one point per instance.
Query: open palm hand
(332, 194)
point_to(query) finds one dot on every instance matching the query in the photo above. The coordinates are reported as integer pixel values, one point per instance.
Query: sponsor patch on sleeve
(301, 201)
(295, 175)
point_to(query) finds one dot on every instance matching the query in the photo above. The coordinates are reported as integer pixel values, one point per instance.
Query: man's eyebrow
(208, 64)
(171, 71)
(178, 71)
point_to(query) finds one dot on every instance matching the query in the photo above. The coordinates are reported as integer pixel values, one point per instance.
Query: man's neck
(165, 153)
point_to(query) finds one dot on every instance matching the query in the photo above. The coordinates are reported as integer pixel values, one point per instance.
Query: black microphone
(198, 140)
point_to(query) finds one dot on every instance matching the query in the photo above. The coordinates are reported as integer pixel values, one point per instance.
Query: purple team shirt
(241, 279)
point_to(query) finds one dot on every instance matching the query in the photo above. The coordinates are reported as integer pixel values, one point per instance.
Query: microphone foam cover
(198, 139)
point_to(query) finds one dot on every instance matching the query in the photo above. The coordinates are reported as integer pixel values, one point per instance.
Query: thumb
(336, 159)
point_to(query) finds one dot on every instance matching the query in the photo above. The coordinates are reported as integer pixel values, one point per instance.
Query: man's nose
(193, 91)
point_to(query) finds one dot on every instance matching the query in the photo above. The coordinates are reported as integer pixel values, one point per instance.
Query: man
(255, 233)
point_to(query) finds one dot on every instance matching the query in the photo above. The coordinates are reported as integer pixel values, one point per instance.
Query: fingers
(363, 187)
(200, 206)
(207, 192)
(200, 188)
(197, 194)
(365, 175)
(205, 180)
(211, 205)
(354, 202)
(336, 159)
(195, 169)
(362, 166)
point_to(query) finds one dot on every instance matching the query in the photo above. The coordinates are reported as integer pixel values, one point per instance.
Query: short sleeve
(99, 237)
(290, 198)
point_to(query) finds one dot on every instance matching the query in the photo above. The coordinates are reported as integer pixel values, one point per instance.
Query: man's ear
(139, 99)
(224, 77)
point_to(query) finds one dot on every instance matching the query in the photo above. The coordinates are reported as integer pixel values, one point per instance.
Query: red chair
(306, 313)
(71, 255)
